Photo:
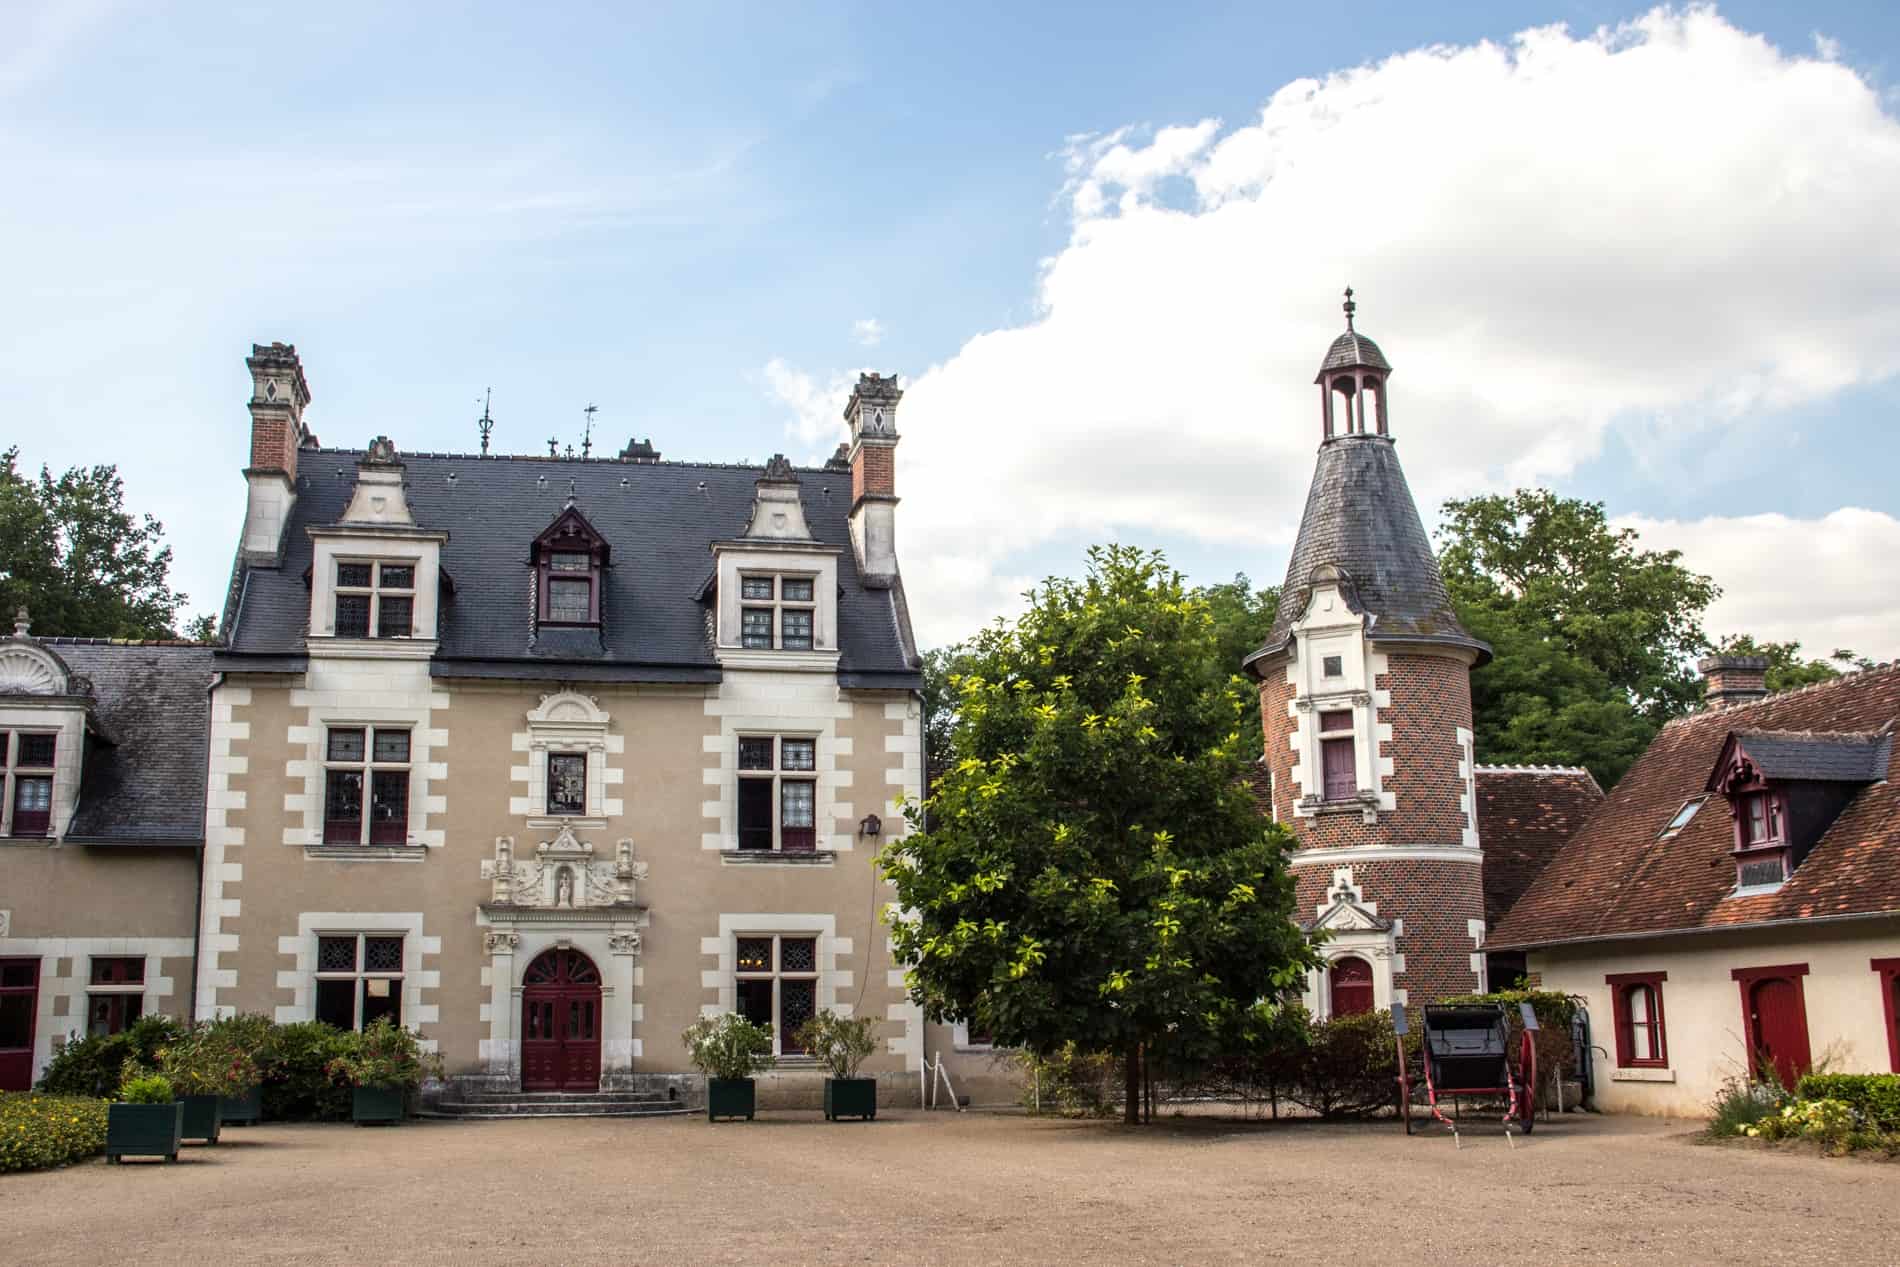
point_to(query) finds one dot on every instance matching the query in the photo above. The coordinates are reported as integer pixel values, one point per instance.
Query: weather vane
(1351, 307)
(587, 434)
(485, 424)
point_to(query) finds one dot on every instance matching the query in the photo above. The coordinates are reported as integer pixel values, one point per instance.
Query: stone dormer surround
(376, 527)
(777, 542)
(38, 693)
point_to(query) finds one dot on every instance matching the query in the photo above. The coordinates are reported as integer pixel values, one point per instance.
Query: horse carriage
(1465, 1054)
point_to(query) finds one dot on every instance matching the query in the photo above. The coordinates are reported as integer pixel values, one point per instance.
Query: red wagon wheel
(1527, 1080)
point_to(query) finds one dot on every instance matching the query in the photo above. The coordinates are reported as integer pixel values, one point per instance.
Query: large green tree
(1091, 870)
(1593, 636)
(78, 560)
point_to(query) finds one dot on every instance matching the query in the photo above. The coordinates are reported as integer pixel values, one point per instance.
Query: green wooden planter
(144, 1130)
(730, 1097)
(850, 1097)
(202, 1120)
(378, 1106)
(242, 1110)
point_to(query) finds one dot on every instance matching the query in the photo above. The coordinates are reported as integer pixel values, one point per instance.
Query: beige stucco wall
(667, 767)
(66, 904)
(1702, 1005)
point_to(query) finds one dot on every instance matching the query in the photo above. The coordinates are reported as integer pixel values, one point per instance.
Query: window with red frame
(1889, 974)
(1637, 1004)
(117, 995)
(570, 558)
(28, 759)
(1761, 841)
(358, 759)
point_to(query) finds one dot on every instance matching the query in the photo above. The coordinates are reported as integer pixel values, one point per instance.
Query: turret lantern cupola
(1352, 383)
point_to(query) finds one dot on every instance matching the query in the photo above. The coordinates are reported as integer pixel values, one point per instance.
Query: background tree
(82, 564)
(1786, 667)
(1243, 616)
(1092, 870)
(1594, 637)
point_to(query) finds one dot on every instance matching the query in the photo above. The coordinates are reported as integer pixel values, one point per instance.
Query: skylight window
(1682, 818)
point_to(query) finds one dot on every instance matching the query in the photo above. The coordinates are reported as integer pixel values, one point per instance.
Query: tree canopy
(1091, 868)
(77, 560)
(1593, 637)
(1787, 668)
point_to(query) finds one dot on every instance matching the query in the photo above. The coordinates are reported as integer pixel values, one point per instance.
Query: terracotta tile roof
(1525, 815)
(1617, 879)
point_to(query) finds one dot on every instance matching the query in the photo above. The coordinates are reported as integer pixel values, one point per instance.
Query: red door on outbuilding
(1775, 1018)
(560, 1023)
(1352, 986)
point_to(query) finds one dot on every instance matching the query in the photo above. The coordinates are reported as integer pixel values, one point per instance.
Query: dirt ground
(918, 1189)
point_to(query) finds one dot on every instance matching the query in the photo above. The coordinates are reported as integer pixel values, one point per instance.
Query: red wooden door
(560, 1023)
(1352, 986)
(19, 1013)
(1778, 1027)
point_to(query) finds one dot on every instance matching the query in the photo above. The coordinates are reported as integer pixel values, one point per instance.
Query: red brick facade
(874, 471)
(1430, 702)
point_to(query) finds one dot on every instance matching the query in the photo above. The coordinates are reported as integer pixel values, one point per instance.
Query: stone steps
(519, 1104)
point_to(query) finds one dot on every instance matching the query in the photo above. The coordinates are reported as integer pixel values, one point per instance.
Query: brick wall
(273, 441)
(875, 471)
(1435, 899)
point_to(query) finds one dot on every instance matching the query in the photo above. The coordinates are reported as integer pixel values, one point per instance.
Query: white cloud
(817, 408)
(868, 332)
(1825, 583)
(1670, 219)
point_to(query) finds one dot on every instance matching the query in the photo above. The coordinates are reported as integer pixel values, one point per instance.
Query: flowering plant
(208, 1060)
(728, 1046)
(386, 1056)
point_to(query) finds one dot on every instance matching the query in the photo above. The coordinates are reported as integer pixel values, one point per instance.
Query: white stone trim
(1474, 928)
(65, 719)
(1329, 627)
(960, 1038)
(341, 692)
(1384, 853)
(76, 985)
(820, 562)
(301, 949)
(758, 703)
(221, 838)
(722, 950)
(421, 551)
(605, 936)
(567, 721)
(1468, 785)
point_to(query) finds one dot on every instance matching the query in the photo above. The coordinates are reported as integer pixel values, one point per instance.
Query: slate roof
(1822, 757)
(1360, 518)
(660, 520)
(143, 782)
(1615, 878)
(1350, 349)
(1526, 814)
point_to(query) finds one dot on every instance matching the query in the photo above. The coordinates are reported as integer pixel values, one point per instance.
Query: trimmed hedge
(1874, 1097)
(38, 1132)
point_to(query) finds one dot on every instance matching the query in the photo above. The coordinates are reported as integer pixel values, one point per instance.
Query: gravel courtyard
(919, 1189)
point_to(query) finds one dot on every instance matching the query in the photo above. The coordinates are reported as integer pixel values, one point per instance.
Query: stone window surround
(301, 948)
(1374, 945)
(612, 939)
(778, 775)
(568, 721)
(352, 693)
(777, 975)
(65, 719)
(793, 704)
(724, 949)
(777, 604)
(75, 985)
(423, 551)
(820, 563)
(1330, 629)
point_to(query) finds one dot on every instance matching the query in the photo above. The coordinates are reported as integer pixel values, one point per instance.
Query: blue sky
(686, 215)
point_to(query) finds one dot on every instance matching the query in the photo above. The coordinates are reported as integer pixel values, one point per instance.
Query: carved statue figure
(564, 887)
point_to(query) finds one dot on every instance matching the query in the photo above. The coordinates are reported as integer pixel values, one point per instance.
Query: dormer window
(375, 600)
(569, 560)
(777, 612)
(28, 758)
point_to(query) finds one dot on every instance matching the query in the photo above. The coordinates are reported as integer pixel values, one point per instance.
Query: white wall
(1702, 1005)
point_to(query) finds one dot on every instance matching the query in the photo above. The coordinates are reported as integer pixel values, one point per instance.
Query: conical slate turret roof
(1360, 519)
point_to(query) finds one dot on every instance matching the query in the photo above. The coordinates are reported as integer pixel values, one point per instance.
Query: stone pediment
(563, 874)
(1349, 917)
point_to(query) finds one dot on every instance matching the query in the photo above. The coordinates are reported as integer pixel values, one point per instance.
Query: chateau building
(1365, 700)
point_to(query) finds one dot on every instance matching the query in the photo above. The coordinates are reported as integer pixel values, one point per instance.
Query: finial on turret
(1351, 307)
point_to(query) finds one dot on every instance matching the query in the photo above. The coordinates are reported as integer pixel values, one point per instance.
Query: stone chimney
(1733, 679)
(871, 414)
(279, 394)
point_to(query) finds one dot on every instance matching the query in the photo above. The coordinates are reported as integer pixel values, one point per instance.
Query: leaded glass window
(776, 985)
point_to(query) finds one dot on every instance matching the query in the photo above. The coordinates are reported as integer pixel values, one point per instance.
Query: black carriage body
(1468, 1047)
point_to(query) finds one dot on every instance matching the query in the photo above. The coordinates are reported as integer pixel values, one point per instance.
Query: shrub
(1828, 1122)
(840, 1043)
(92, 1067)
(1350, 1067)
(1741, 1104)
(728, 1046)
(40, 1131)
(1874, 1098)
(207, 1060)
(1073, 1083)
(143, 1087)
(385, 1056)
(295, 1063)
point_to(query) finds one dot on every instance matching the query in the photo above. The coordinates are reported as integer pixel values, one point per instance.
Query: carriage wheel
(1527, 1077)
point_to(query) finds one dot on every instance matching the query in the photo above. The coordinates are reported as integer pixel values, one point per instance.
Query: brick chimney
(1733, 679)
(278, 396)
(871, 414)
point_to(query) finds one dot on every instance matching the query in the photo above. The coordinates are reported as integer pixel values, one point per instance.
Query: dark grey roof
(1817, 755)
(1353, 348)
(660, 520)
(1360, 518)
(144, 778)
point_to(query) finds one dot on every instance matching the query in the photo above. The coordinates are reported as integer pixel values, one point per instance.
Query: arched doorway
(1778, 1028)
(560, 1023)
(1352, 986)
